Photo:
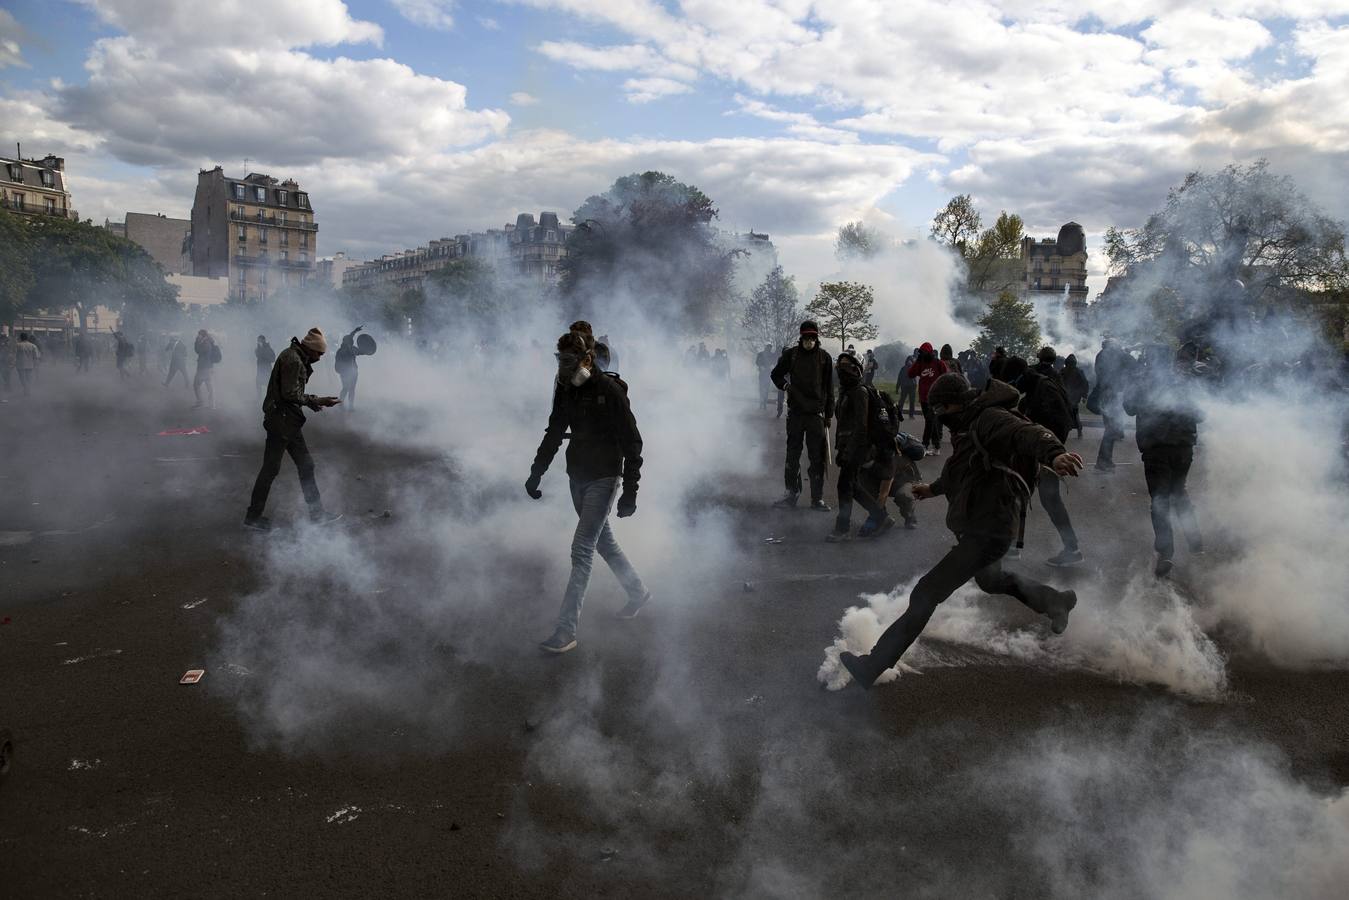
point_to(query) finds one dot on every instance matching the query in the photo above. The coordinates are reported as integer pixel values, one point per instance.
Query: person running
(855, 448)
(177, 353)
(1166, 431)
(347, 370)
(908, 385)
(806, 372)
(264, 356)
(987, 479)
(1076, 386)
(208, 354)
(27, 356)
(604, 453)
(927, 368)
(1113, 369)
(283, 419)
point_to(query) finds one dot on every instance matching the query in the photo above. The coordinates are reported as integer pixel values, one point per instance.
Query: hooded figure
(264, 356)
(854, 453)
(347, 370)
(1076, 386)
(987, 481)
(806, 373)
(927, 368)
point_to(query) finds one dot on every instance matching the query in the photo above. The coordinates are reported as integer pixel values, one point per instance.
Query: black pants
(280, 441)
(1077, 418)
(348, 393)
(1112, 418)
(806, 429)
(1165, 470)
(868, 487)
(909, 391)
(1051, 498)
(974, 557)
(931, 428)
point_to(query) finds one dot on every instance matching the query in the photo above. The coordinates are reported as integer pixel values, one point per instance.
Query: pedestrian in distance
(84, 352)
(987, 479)
(908, 385)
(927, 368)
(125, 350)
(208, 354)
(1077, 387)
(27, 357)
(806, 372)
(177, 353)
(1166, 431)
(949, 360)
(283, 420)
(869, 367)
(763, 363)
(604, 453)
(347, 370)
(263, 356)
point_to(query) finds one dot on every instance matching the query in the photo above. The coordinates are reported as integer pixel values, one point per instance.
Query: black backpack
(1047, 405)
(882, 422)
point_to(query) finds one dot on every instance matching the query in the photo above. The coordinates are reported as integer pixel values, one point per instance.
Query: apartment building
(35, 187)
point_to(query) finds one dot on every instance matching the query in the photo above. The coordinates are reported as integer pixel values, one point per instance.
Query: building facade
(35, 187)
(330, 269)
(536, 251)
(1055, 271)
(258, 233)
(166, 240)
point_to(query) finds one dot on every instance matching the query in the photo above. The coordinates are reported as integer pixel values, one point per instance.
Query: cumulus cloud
(521, 98)
(10, 32)
(427, 13)
(644, 90)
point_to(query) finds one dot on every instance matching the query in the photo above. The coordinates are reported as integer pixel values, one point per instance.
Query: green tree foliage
(75, 266)
(649, 241)
(1008, 323)
(16, 271)
(856, 241)
(994, 260)
(842, 309)
(957, 225)
(773, 314)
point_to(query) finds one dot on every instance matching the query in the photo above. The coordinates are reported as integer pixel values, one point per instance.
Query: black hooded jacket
(983, 497)
(604, 443)
(808, 378)
(1167, 415)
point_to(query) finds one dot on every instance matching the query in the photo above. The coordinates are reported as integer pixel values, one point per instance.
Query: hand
(532, 487)
(627, 504)
(329, 401)
(358, 328)
(922, 491)
(1067, 464)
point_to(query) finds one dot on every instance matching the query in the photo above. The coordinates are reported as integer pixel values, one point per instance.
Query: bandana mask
(808, 343)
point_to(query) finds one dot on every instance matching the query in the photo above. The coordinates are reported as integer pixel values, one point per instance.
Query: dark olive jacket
(604, 443)
(983, 497)
(283, 407)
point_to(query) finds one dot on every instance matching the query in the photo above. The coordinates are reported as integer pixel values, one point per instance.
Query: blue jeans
(593, 500)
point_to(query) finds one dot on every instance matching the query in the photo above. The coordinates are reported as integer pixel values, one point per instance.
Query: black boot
(860, 668)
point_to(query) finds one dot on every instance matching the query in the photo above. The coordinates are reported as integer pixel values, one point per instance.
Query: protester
(264, 356)
(927, 368)
(763, 362)
(84, 352)
(604, 452)
(948, 359)
(208, 354)
(906, 474)
(908, 385)
(721, 365)
(857, 446)
(27, 356)
(177, 353)
(1113, 369)
(283, 419)
(125, 350)
(1166, 430)
(806, 372)
(996, 453)
(347, 370)
(1076, 386)
(869, 367)
(606, 357)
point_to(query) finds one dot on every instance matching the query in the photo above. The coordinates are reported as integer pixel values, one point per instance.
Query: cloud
(644, 90)
(427, 13)
(521, 98)
(488, 23)
(10, 34)
(235, 23)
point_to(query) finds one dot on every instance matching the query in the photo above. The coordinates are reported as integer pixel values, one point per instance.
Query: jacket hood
(998, 393)
(926, 347)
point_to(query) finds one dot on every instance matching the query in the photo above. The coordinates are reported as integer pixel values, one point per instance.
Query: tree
(463, 294)
(773, 313)
(994, 260)
(957, 224)
(649, 241)
(842, 309)
(1008, 323)
(1244, 222)
(856, 241)
(16, 272)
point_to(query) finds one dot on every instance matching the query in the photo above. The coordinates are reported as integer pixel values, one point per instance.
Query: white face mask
(580, 376)
(808, 344)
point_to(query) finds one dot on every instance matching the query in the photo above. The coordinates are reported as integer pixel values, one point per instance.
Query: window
(285, 254)
(238, 192)
(262, 235)
(281, 218)
(51, 206)
(16, 172)
(281, 197)
(304, 239)
(304, 257)
(260, 194)
(243, 233)
(18, 202)
(285, 239)
(47, 178)
(550, 236)
(303, 200)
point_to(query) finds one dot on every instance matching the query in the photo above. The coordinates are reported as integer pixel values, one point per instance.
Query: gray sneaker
(560, 642)
(1065, 558)
(633, 607)
(787, 502)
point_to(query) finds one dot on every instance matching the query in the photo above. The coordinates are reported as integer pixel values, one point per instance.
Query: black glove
(627, 503)
(532, 487)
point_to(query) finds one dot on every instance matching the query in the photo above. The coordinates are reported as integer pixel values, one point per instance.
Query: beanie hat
(1012, 369)
(1047, 355)
(315, 341)
(809, 327)
(950, 388)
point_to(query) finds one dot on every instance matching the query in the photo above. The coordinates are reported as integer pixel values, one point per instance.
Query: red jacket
(926, 372)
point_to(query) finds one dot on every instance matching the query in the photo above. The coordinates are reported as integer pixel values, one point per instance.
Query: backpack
(215, 353)
(1047, 405)
(619, 381)
(882, 422)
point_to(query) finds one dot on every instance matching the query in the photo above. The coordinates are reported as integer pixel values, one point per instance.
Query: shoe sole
(1059, 564)
(1059, 624)
(563, 649)
(333, 521)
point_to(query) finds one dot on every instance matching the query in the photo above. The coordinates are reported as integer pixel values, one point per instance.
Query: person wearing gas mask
(988, 478)
(806, 373)
(604, 453)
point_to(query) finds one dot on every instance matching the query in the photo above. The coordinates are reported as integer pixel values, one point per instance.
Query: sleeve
(855, 453)
(827, 379)
(552, 437)
(938, 486)
(629, 441)
(1009, 436)
(915, 368)
(781, 370)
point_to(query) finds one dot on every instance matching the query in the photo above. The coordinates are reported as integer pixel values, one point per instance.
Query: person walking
(208, 354)
(1166, 431)
(927, 368)
(264, 356)
(347, 370)
(177, 354)
(27, 357)
(986, 481)
(806, 372)
(908, 385)
(1076, 386)
(604, 453)
(283, 420)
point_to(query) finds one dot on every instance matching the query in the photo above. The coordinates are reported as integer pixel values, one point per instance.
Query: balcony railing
(271, 221)
(247, 260)
(30, 209)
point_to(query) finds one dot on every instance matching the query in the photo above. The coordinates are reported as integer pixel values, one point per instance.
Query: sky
(409, 120)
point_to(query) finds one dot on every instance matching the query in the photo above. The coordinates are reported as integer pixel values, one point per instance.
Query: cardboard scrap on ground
(175, 432)
(192, 676)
